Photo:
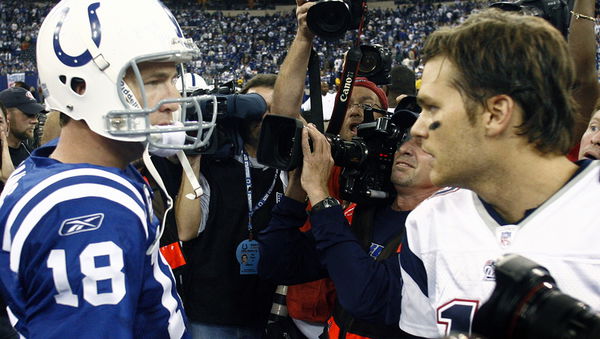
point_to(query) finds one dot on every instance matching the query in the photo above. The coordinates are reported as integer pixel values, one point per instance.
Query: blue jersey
(80, 256)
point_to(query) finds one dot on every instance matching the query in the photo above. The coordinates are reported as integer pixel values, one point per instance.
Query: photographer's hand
(400, 97)
(7, 165)
(301, 11)
(317, 164)
(294, 189)
(289, 87)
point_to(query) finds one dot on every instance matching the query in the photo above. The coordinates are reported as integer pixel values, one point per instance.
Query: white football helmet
(191, 82)
(97, 42)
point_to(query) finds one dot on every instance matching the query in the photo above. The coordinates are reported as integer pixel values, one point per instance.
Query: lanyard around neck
(263, 200)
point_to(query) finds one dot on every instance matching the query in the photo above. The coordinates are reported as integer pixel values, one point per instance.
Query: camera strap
(345, 91)
(314, 85)
(349, 73)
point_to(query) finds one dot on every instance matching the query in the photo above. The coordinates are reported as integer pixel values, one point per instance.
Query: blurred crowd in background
(240, 46)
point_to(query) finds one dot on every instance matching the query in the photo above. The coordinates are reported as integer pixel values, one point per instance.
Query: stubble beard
(24, 136)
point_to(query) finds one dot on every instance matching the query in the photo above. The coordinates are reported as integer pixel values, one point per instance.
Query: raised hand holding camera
(301, 14)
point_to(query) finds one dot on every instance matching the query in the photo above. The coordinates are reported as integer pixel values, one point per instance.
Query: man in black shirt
(23, 111)
(222, 293)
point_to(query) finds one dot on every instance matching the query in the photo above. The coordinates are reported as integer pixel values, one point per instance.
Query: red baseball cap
(364, 82)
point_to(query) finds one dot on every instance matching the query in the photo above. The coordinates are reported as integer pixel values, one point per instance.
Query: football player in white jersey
(79, 253)
(498, 117)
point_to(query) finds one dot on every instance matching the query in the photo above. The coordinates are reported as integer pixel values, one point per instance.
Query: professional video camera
(367, 159)
(375, 64)
(527, 304)
(227, 87)
(232, 110)
(555, 11)
(330, 19)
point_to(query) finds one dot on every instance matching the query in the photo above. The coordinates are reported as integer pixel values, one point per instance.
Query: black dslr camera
(330, 19)
(367, 159)
(527, 304)
(554, 11)
(375, 64)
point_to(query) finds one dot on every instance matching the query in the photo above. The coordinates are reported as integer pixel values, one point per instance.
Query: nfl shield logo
(506, 235)
(505, 238)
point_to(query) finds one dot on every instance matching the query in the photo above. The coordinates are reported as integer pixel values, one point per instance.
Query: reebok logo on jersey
(489, 270)
(81, 224)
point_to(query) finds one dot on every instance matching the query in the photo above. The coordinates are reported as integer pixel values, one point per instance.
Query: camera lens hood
(329, 19)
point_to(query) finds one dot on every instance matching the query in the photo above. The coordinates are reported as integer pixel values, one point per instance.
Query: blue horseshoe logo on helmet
(173, 20)
(85, 57)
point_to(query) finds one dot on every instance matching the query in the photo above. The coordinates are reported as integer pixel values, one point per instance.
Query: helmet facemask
(121, 36)
(136, 119)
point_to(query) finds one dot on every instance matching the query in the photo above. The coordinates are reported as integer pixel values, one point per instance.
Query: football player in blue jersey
(79, 253)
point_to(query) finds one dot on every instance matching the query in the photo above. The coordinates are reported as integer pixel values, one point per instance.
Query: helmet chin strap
(156, 176)
(191, 176)
(154, 173)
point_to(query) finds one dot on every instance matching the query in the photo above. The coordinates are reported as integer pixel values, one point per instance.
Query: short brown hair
(403, 81)
(260, 80)
(525, 57)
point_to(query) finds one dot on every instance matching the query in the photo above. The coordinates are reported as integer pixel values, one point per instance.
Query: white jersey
(452, 244)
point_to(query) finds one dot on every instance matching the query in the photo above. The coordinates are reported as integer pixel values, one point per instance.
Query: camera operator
(365, 272)
(287, 97)
(497, 117)
(222, 294)
(582, 46)
(590, 141)
(311, 304)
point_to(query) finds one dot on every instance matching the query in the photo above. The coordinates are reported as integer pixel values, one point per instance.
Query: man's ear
(498, 117)
(9, 114)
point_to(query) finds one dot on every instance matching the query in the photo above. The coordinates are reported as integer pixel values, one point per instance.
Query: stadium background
(239, 39)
